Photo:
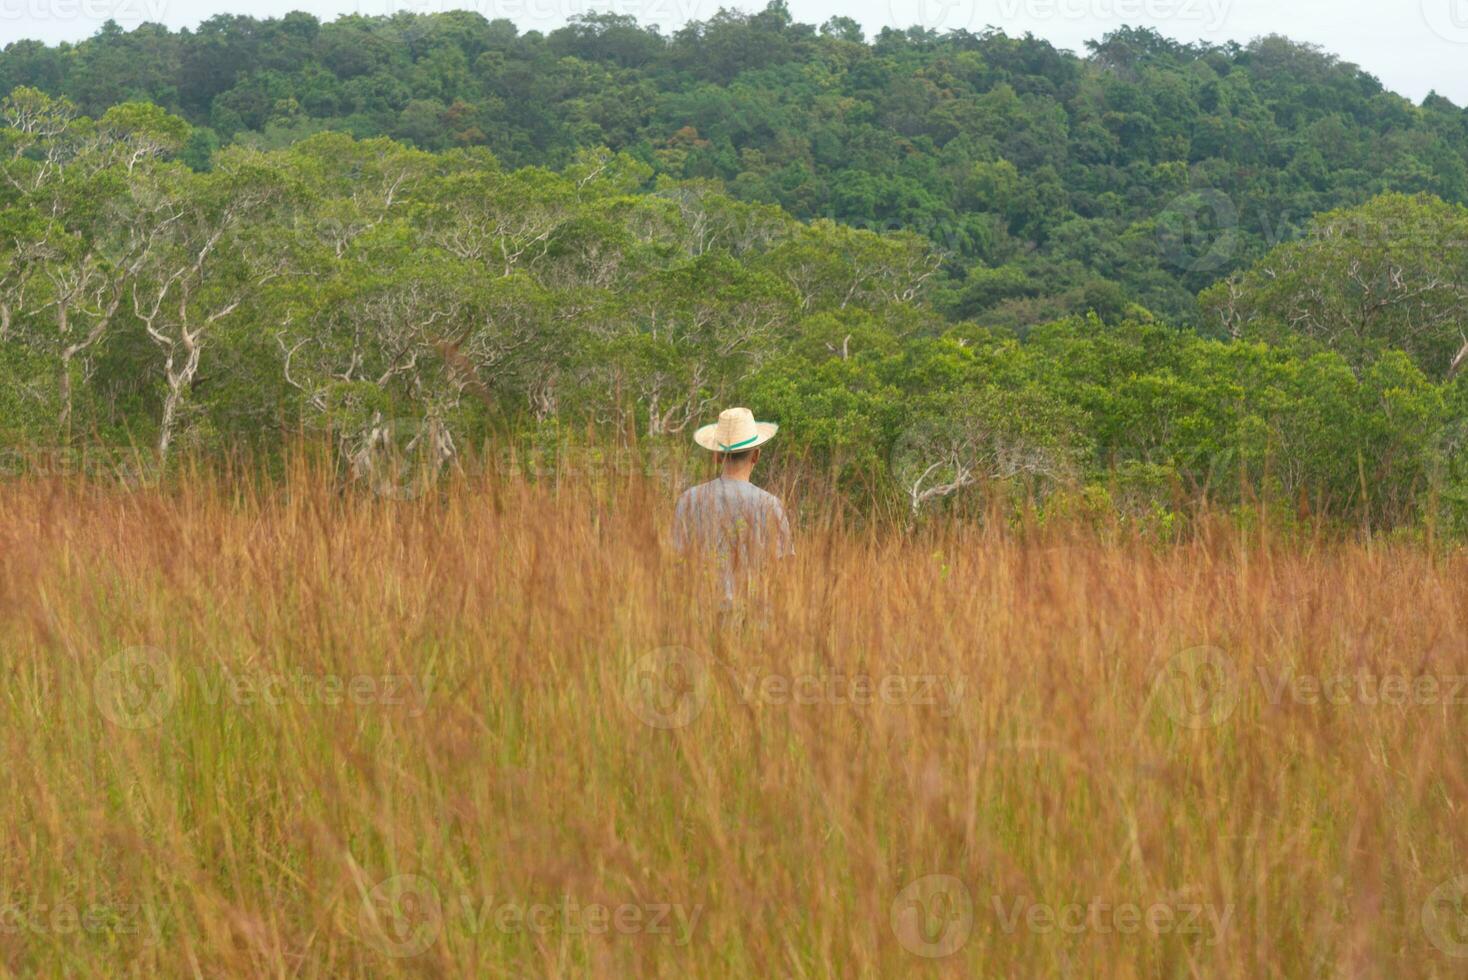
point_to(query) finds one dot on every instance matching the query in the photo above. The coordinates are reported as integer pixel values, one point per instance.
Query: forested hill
(1052, 183)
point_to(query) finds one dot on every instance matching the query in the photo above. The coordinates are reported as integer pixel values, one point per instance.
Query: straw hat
(735, 432)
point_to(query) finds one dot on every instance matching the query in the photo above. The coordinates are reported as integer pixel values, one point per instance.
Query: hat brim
(708, 438)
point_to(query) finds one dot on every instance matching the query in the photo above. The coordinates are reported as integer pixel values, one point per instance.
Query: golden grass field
(274, 729)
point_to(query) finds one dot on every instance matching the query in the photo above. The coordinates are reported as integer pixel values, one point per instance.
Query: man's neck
(739, 473)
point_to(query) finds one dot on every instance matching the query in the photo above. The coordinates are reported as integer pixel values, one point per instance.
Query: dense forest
(943, 262)
(1053, 184)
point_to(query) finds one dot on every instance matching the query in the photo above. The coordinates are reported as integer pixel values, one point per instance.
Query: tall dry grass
(272, 728)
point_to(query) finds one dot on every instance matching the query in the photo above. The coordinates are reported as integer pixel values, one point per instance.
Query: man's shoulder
(761, 500)
(696, 491)
(764, 496)
(727, 490)
(695, 498)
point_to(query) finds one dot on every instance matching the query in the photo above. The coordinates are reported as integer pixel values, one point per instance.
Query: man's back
(734, 521)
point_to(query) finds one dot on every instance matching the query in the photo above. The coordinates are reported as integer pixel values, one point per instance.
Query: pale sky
(1413, 46)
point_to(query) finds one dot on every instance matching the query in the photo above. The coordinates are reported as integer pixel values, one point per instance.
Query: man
(729, 518)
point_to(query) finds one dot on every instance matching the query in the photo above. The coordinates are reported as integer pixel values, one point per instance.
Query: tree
(92, 229)
(1390, 274)
(687, 336)
(984, 435)
(832, 267)
(217, 251)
